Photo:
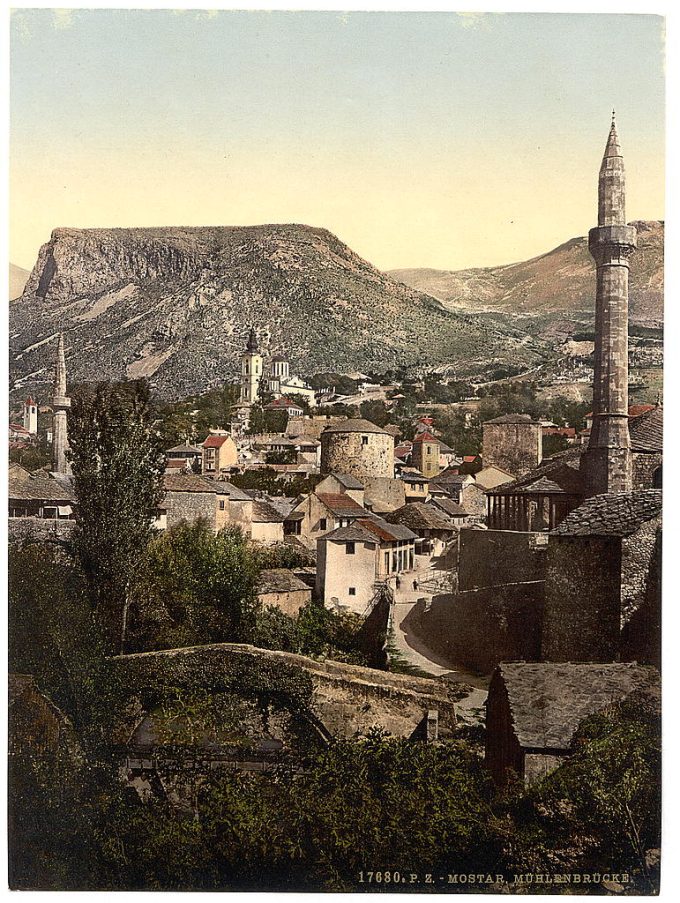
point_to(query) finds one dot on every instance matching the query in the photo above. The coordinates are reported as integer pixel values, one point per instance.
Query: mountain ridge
(175, 305)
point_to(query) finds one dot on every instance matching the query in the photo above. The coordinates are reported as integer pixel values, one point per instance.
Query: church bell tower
(251, 370)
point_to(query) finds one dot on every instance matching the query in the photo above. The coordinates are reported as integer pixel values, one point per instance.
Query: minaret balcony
(61, 401)
(612, 241)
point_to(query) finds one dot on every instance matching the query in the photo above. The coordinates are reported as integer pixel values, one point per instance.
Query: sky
(439, 139)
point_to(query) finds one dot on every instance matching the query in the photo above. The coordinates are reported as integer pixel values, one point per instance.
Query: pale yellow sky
(416, 140)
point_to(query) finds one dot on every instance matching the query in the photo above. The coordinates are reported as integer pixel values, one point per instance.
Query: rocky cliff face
(175, 305)
(555, 291)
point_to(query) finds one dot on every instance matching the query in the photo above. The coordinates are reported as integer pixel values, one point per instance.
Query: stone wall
(644, 469)
(498, 557)
(641, 634)
(348, 699)
(384, 494)
(514, 447)
(636, 560)
(38, 529)
(290, 603)
(582, 620)
(348, 453)
(190, 506)
(480, 628)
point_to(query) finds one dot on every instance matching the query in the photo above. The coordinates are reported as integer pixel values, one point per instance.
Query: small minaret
(251, 370)
(60, 405)
(31, 416)
(607, 464)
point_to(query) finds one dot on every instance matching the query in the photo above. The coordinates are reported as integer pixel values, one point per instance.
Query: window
(221, 504)
(429, 449)
(352, 590)
(349, 548)
(323, 523)
(364, 440)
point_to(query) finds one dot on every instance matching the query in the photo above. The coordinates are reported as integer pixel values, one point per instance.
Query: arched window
(657, 477)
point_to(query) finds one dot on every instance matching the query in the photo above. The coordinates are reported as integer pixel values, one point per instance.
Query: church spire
(252, 345)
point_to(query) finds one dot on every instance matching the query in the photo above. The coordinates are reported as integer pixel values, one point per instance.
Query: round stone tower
(358, 448)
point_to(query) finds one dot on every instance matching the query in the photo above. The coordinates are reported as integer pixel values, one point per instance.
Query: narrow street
(414, 650)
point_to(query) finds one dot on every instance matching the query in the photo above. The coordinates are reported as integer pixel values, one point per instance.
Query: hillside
(18, 278)
(175, 305)
(555, 291)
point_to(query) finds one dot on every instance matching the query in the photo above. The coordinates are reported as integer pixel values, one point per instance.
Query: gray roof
(354, 425)
(646, 431)
(264, 513)
(559, 473)
(184, 449)
(347, 480)
(513, 418)
(612, 514)
(224, 487)
(352, 533)
(453, 509)
(39, 486)
(548, 701)
(419, 516)
(279, 580)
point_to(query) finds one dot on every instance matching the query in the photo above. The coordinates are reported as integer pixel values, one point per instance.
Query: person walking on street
(415, 585)
(398, 583)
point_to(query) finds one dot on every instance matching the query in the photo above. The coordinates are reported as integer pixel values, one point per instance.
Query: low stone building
(267, 523)
(39, 495)
(280, 588)
(533, 711)
(190, 497)
(183, 457)
(319, 513)
(646, 442)
(431, 525)
(416, 486)
(602, 581)
(353, 561)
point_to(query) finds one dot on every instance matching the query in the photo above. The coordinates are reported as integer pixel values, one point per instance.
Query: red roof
(425, 437)
(470, 459)
(29, 400)
(569, 432)
(215, 441)
(427, 420)
(283, 403)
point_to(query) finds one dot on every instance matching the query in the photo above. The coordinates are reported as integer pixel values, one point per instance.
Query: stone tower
(607, 464)
(251, 370)
(426, 454)
(30, 418)
(60, 405)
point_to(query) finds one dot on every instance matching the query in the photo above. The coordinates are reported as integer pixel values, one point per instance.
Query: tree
(193, 587)
(117, 477)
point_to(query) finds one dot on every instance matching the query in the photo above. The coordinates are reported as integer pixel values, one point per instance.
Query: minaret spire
(607, 462)
(60, 404)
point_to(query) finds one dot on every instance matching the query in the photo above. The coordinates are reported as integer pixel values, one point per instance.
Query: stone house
(533, 711)
(291, 408)
(602, 581)
(646, 442)
(280, 588)
(182, 457)
(344, 483)
(220, 454)
(267, 523)
(425, 455)
(320, 513)
(189, 497)
(455, 512)
(416, 486)
(353, 561)
(431, 525)
(450, 484)
(39, 495)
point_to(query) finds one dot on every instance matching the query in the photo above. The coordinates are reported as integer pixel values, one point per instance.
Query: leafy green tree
(117, 477)
(375, 412)
(193, 587)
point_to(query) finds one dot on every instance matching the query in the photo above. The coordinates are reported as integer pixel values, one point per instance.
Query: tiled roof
(414, 476)
(548, 701)
(39, 486)
(425, 437)
(224, 487)
(184, 449)
(264, 513)
(187, 482)
(342, 504)
(419, 516)
(646, 431)
(215, 441)
(354, 425)
(386, 531)
(279, 580)
(612, 514)
(352, 533)
(492, 476)
(450, 507)
(558, 473)
(348, 481)
(447, 478)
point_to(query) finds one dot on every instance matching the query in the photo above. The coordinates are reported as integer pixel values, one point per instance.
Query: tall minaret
(60, 405)
(251, 370)
(607, 463)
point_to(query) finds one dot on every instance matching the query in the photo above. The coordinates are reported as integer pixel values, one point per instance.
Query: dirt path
(413, 648)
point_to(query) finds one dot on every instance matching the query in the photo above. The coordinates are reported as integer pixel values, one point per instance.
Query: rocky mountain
(175, 305)
(553, 294)
(18, 278)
